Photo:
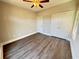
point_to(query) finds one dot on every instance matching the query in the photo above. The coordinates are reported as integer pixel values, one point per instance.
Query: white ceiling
(27, 5)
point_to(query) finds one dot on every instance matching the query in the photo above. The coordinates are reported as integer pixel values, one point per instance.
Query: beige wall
(58, 8)
(15, 22)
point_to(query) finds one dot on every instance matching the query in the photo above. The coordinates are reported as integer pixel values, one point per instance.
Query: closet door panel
(61, 25)
(47, 25)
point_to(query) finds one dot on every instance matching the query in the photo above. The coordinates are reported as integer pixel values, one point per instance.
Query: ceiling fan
(37, 3)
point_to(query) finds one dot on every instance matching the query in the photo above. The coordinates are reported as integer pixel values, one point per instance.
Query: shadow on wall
(16, 22)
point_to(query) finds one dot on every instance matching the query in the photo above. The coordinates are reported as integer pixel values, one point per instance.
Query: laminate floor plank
(38, 46)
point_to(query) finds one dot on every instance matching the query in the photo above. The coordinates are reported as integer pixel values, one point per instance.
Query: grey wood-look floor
(38, 46)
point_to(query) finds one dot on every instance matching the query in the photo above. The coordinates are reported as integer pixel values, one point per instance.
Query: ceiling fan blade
(32, 6)
(40, 5)
(44, 1)
(27, 1)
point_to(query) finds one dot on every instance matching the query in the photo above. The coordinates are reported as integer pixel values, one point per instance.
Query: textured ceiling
(27, 5)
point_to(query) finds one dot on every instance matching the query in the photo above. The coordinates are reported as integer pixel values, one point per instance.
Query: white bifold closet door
(47, 24)
(61, 24)
(57, 24)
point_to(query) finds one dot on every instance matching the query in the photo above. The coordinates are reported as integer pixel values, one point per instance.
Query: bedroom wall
(15, 22)
(75, 41)
(57, 21)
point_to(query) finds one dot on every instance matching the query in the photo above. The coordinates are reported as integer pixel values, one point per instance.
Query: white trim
(1, 51)
(74, 33)
(44, 33)
(10, 41)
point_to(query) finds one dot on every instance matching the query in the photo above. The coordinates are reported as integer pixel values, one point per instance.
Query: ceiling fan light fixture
(36, 3)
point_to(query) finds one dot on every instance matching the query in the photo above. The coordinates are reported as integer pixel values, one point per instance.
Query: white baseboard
(13, 40)
(45, 33)
(66, 38)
